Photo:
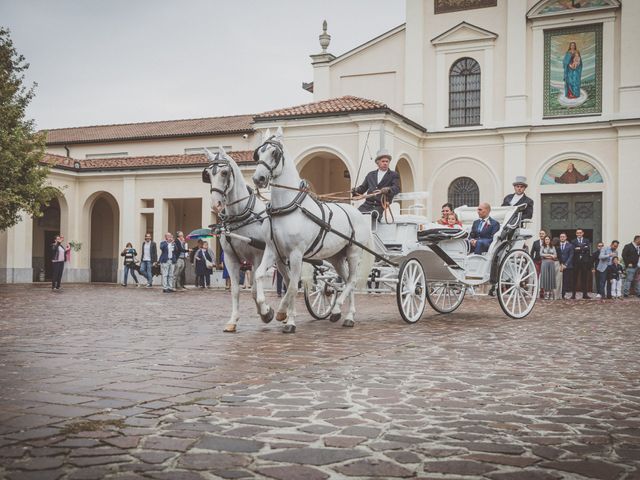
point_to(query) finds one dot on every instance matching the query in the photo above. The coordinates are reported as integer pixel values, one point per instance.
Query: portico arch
(54, 220)
(104, 221)
(326, 171)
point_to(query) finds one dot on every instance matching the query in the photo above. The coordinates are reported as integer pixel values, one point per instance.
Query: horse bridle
(213, 168)
(278, 155)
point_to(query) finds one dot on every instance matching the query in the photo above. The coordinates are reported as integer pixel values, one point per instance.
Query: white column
(628, 174)
(515, 159)
(515, 106)
(414, 61)
(629, 66)
(537, 75)
(442, 91)
(16, 258)
(129, 220)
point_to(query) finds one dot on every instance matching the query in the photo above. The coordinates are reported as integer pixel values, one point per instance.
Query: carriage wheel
(320, 296)
(445, 297)
(517, 284)
(411, 292)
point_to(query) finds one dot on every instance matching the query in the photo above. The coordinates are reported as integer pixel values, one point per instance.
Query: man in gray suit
(606, 259)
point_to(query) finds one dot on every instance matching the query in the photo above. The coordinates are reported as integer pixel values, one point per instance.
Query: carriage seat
(441, 233)
(467, 215)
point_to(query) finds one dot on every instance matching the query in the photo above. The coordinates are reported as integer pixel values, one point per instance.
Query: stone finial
(324, 37)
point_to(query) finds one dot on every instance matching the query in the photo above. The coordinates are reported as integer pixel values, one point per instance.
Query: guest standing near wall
(129, 253)
(549, 256)
(60, 253)
(149, 252)
(631, 262)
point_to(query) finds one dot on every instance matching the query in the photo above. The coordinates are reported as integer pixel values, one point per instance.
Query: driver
(383, 179)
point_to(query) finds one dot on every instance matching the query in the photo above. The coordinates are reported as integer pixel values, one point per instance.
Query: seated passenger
(384, 180)
(447, 209)
(483, 229)
(452, 221)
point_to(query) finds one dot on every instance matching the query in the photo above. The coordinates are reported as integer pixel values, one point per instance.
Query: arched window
(463, 191)
(464, 93)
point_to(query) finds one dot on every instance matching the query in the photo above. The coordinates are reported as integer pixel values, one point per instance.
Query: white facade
(408, 69)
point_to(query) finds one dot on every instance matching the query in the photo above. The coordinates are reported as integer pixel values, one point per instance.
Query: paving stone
(292, 472)
(175, 475)
(511, 460)
(458, 467)
(314, 456)
(493, 448)
(90, 473)
(153, 456)
(167, 443)
(100, 460)
(40, 475)
(588, 468)
(525, 475)
(343, 441)
(374, 468)
(368, 432)
(39, 463)
(213, 461)
(228, 444)
(404, 457)
(123, 442)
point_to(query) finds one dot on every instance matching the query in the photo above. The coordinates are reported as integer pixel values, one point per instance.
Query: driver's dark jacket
(370, 184)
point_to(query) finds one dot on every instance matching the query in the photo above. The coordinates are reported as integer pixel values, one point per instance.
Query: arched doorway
(105, 221)
(407, 184)
(45, 229)
(326, 172)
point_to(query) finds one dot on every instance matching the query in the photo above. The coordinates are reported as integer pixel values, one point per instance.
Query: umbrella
(199, 233)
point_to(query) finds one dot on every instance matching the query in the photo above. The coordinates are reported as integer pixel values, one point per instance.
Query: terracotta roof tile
(344, 104)
(134, 163)
(150, 130)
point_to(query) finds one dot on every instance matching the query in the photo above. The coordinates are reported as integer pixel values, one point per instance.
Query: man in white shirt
(168, 259)
(149, 252)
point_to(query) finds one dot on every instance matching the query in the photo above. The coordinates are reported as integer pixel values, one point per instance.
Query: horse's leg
(264, 310)
(354, 255)
(346, 265)
(287, 307)
(233, 267)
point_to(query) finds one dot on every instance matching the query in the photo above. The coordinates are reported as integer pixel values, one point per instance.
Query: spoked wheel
(411, 291)
(445, 297)
(320, 296)
(518, 284)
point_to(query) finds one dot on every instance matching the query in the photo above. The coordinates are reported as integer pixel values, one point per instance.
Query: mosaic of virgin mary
(573, 64)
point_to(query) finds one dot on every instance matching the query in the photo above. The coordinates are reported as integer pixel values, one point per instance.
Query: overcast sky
(121, 61)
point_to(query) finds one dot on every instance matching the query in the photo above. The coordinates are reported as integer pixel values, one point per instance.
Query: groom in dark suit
(383, 179)
(483, 229)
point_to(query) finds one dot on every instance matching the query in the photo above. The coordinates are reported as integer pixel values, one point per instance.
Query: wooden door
(566, 212)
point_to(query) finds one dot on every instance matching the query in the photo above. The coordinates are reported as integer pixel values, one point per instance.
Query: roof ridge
(146, 123)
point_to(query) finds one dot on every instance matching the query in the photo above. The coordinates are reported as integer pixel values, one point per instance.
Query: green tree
(22, 177)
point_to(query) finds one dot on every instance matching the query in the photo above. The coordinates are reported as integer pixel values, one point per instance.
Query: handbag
(208, 264)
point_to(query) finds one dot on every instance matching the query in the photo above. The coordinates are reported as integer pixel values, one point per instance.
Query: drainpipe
(68, 151)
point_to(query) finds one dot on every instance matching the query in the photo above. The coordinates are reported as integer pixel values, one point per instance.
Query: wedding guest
(60, 255)
(129, 253)
(549, 256)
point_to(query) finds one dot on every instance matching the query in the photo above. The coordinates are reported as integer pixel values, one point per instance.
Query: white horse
(300, 227)
(241, 213)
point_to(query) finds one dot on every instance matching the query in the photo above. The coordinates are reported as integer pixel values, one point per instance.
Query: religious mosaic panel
(554, 7)
(571, 172)
(573, 71)
(445, 6)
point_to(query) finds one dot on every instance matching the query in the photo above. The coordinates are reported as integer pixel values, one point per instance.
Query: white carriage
(428, 263)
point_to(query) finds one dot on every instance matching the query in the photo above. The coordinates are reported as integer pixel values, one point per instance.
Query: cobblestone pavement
(107, 382)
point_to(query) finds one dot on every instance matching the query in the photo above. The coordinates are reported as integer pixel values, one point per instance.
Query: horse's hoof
(348, 323)
(267, 317)
(289, 329)
(229, 329)
(335, 317)
(281, 316)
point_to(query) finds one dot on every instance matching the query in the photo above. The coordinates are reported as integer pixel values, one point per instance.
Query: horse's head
(270, 158)
(220, 174)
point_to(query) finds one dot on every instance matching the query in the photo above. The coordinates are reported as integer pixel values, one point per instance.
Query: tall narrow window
(464, 93)
(463, 191)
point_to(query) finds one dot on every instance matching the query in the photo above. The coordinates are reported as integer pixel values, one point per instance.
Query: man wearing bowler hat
(383, 179)
(518, 197)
